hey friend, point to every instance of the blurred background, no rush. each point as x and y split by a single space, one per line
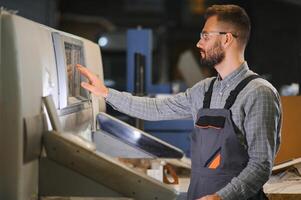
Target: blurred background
274 49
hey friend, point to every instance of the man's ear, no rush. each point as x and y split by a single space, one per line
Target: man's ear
228 39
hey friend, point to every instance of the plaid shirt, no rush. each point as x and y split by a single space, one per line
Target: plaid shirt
256 112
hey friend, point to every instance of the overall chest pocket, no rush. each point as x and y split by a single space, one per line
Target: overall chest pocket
216 122
209 139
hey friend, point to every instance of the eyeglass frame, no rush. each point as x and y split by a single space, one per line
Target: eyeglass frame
215 32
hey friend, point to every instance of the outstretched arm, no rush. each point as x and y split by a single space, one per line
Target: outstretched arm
174 107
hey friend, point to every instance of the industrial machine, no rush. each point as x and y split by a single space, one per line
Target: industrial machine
140 81
55 139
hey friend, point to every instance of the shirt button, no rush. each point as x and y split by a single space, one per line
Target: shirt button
221 93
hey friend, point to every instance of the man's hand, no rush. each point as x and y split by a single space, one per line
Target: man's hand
95 85
210 197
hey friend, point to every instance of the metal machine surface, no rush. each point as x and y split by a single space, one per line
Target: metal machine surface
36 62
137 138
103 169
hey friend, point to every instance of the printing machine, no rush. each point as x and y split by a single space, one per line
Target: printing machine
56 141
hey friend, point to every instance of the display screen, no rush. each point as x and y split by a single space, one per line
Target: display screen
74 55
69 51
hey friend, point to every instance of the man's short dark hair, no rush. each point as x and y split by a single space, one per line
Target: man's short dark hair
234 16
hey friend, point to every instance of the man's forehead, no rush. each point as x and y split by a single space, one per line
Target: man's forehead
213 24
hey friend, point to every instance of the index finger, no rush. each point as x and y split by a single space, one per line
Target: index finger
84 71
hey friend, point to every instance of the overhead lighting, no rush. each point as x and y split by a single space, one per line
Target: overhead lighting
103 41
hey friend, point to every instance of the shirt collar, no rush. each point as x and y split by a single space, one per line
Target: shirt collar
243 68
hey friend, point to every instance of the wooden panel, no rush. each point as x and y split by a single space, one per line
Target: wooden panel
284 196
291 129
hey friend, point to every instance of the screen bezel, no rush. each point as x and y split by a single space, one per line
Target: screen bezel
59 41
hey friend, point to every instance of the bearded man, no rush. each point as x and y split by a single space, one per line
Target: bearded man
237 115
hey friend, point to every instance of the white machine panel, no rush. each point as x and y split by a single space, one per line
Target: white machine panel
38 62
30 71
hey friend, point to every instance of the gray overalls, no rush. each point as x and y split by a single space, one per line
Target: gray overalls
217 155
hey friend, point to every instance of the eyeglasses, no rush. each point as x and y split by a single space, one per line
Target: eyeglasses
206 35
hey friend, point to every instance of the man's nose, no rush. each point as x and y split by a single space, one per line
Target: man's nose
199 44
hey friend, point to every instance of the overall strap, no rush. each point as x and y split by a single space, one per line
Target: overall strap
208 94
234 93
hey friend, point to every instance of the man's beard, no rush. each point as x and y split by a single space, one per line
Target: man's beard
213 56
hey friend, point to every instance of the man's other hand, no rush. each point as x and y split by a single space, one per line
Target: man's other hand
210 197
95 85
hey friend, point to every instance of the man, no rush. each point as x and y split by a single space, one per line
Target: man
237 115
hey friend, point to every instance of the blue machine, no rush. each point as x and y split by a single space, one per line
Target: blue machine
175 132
141 41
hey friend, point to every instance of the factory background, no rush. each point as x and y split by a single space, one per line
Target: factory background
274 49
56 156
